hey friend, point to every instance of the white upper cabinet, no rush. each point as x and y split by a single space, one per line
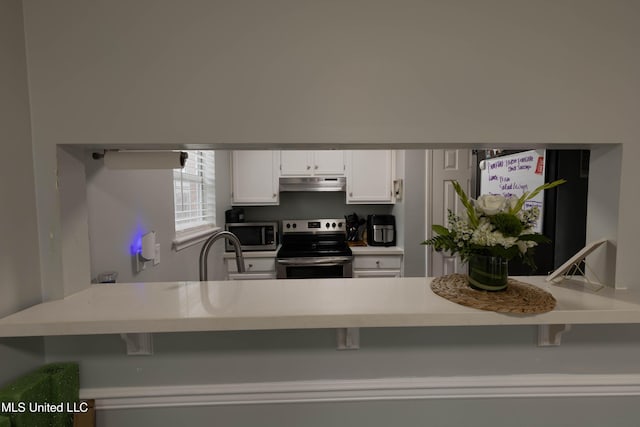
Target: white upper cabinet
255 177
255 173
370 175
328 162
312 163
296 163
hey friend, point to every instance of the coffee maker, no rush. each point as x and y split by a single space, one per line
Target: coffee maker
381 230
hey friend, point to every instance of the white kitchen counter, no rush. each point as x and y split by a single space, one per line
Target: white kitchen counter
357 250
295 304
377 250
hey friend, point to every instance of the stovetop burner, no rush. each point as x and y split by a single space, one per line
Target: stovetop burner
314 238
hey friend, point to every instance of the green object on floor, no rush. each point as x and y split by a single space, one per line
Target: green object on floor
65 388
33 387
29 400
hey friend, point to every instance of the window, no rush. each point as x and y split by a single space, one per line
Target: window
194 199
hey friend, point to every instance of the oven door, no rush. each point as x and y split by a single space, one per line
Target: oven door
314 267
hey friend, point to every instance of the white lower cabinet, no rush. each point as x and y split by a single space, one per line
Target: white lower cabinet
377 265
257 268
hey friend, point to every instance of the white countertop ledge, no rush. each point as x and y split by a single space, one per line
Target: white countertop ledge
295 304
377 250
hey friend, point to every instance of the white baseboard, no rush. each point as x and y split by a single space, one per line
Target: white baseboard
478 387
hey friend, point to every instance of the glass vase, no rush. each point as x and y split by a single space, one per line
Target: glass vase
488 273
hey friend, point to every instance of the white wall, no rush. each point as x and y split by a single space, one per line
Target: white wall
19 260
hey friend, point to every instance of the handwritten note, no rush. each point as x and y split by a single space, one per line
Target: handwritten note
515 174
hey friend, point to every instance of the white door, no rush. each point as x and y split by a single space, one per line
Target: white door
444 167
328 162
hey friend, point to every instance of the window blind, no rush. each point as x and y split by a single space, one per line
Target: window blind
194 191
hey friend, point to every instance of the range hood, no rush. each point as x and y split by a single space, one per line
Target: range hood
312 184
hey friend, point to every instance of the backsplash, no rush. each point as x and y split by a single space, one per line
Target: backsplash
308 205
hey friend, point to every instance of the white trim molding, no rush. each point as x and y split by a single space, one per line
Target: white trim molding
191 237
479 387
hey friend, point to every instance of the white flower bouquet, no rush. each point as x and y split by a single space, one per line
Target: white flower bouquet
494 226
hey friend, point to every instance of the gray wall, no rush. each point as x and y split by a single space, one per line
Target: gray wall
284 73
122 203
19 260
301 205
266 356
496 72
415 182
289 355
551 412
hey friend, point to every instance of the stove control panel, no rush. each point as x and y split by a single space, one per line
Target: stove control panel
325 225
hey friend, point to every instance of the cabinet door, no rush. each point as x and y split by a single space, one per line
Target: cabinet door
255 177
370 176
328 162
296 163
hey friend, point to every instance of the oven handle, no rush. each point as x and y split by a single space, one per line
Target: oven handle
338 260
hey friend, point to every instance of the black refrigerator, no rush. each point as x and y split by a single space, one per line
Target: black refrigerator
564 208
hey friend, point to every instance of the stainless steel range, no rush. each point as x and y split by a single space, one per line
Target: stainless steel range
314 248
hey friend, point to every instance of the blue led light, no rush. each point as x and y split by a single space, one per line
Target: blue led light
136 240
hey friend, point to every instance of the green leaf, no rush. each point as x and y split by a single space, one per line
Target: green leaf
471 212
443 231
535 192
507 224
506 253
519 204
528 196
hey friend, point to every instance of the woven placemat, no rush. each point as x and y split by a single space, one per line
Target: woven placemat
519 297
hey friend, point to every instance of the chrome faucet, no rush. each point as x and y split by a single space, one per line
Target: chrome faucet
204 252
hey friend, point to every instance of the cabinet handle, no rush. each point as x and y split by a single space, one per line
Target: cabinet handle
274 195
378 263
250 265
350 194
315 167
308 167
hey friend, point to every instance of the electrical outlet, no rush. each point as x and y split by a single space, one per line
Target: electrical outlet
156 258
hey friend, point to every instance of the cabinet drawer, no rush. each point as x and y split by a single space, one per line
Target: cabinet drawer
377 262
376 273
252 264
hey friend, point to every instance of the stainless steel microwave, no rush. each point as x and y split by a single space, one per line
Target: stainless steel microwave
254 236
